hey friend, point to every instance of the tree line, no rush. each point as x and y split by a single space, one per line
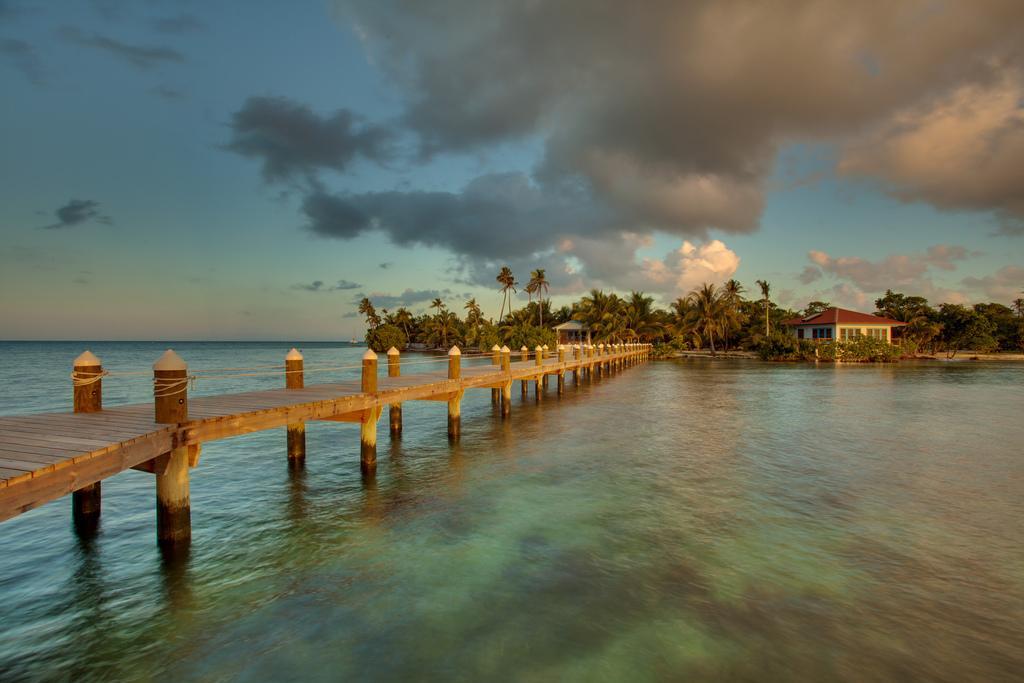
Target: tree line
714 317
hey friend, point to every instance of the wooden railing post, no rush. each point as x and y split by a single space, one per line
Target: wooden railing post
395 410
454 412
495 361
368 423
544 355
561 371
295 378
87 389
506 388
538 384
173 506
524 356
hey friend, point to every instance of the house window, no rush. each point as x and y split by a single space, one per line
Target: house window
800 333
878 333
849 333
821 333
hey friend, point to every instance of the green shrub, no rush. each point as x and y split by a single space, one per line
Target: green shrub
529 336
782 346
383 337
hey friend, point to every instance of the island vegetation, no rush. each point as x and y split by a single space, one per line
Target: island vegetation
718 318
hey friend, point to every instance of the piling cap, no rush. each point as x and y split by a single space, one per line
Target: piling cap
369 355
539 348
393 351
545 347
601 345
454 351
495 348
524 348
87 358
170 361
505 349
294 354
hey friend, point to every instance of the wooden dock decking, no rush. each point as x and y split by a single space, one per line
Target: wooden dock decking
46 456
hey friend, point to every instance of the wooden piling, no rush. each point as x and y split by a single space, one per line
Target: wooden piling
295 378
561 373
173 507
524 356
395 410
506 388
87 388
495 361
454 402
368 423
538 383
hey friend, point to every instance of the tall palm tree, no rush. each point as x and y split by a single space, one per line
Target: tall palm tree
707 312
1018 305
443 326
474 316
367 309
508 282
765 290
404 318
732 295
539 284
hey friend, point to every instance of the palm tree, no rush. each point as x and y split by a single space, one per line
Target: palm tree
404 318
641 318
1018 305
765 290
367 309
474 316
508 282
539 284
707 312
438 304
732 295
602 314
442 326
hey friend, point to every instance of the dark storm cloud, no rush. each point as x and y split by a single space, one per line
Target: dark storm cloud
168 93
410 297
140 56
496 214
673 113
319 286
182 23
22 57
293 142
78 211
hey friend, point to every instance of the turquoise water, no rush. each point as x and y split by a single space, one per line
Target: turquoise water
680 520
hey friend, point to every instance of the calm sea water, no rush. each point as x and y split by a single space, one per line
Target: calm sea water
682 520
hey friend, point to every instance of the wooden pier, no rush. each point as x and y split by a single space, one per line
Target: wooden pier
47 456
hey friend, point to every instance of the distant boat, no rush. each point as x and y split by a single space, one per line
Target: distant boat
354 342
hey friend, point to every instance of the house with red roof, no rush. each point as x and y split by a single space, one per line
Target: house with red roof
842 325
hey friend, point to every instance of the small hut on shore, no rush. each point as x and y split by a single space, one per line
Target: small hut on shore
573 332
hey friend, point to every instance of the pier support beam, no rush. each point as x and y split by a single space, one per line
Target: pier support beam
173 511
295 378
506 389
368 423
524 356
495 361
561 373
87 387
395 410
454 403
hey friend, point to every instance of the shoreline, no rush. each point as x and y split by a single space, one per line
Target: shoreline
961 356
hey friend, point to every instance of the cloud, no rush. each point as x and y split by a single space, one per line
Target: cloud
78 211
860 281
140 56
965 151
408 298
168 93
293 142
23 57
182 23
1005 285
318 286
673 116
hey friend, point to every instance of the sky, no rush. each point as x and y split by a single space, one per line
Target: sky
251 170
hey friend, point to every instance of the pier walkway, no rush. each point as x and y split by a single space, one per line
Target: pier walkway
47 456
